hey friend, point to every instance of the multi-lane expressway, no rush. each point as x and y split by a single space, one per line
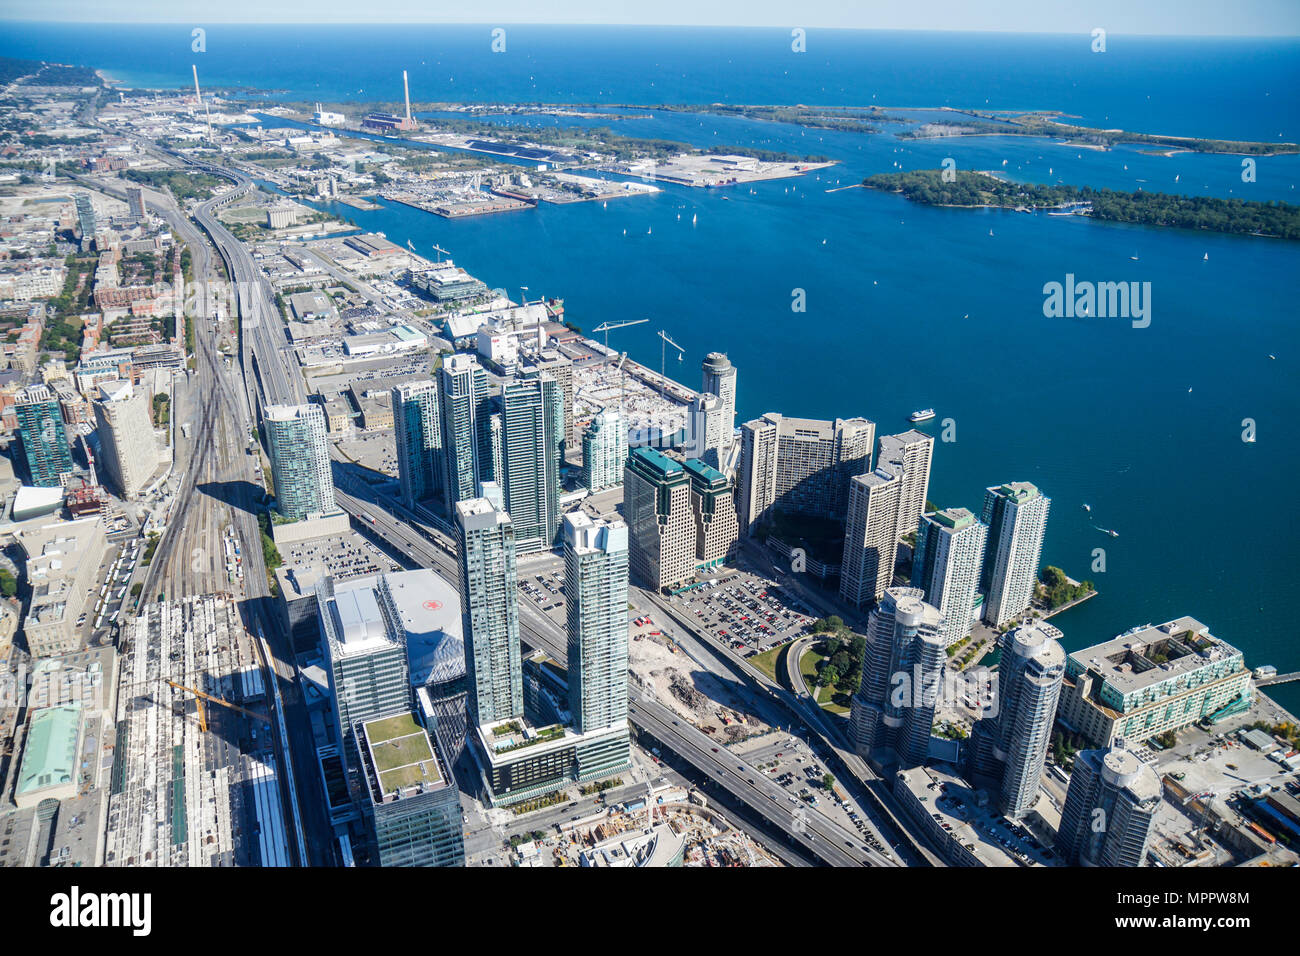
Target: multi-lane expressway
261 328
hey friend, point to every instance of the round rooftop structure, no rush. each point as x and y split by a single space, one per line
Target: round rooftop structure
1120 768
717 363
911 611
1028 641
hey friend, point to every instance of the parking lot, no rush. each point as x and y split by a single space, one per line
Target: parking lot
746 611
541 584
1014 839
342 556
791 764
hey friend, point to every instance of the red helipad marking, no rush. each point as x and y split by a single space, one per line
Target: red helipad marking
433 605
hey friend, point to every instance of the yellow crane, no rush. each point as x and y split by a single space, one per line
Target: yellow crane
200 697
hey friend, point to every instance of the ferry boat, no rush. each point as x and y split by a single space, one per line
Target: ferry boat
924 415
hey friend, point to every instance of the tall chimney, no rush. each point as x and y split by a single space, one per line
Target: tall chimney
197 95
406 87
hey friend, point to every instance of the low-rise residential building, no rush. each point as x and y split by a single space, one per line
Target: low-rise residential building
1151 680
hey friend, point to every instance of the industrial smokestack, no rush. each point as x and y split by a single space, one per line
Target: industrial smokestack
197 95
406 88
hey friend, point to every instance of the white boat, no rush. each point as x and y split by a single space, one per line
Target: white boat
924 415
1205 258
694 217
1086 506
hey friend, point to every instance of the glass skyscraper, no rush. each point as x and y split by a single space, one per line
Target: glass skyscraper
466 438
300 460
532 415
46 451
595 592
946 566
604 450
417 425
85 219
902 670
1013 745
1109 808
368 670
490 615
413 806
1016 515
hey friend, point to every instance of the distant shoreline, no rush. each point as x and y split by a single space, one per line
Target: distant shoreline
1171 144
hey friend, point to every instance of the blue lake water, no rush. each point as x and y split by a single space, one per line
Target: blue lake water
907 306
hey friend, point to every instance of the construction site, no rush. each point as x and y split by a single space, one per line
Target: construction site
667 828
654 407
195 781
662 669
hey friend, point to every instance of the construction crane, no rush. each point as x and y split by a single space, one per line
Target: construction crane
663 352
200 697
622 387
1206 799
607 326
440 250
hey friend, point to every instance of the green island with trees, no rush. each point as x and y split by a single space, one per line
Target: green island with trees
1277 220
1055 589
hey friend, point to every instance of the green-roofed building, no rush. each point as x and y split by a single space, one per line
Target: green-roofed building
946 566
413 811
714 508
661 526
49 767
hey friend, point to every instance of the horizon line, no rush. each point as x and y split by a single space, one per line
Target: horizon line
670 26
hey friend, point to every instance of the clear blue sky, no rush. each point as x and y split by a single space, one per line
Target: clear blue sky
1172 17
